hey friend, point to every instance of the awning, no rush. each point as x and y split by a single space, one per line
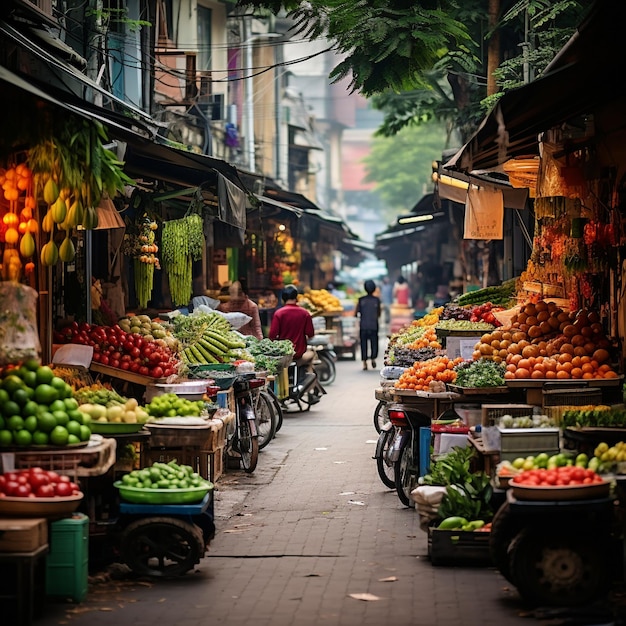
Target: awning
108 216
581 77
279 205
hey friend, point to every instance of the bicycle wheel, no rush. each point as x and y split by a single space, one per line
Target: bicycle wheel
386 469
402 474
278 410
326 370
265 419
248 446
380 415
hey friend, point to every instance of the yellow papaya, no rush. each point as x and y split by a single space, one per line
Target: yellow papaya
27 245
47 224
49 254
67 252
91 218
50 191
59 211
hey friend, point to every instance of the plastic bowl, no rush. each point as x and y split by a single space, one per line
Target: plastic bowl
139 495
560 492
39 507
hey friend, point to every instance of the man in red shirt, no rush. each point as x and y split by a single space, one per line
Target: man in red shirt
294 323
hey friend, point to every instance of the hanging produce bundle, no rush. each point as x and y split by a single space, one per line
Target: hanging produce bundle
139 243
183 243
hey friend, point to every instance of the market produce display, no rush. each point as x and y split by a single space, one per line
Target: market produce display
405 357
557 477
482 373
472 313
37 409
114 347
171 405
543 341
128 412
98 393
431 375
206 338
460 523
528 421
320 301
149 329
463 325
501 295
36 482
599 415
267 353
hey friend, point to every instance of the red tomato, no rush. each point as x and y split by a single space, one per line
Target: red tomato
156 372
104 359
63 489
124 365
44 491
53 476
38 479
22 490
144 371
11 487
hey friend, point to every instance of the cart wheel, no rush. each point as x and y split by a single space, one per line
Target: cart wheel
557 568
505 526
162 546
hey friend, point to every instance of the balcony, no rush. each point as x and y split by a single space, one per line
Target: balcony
177 81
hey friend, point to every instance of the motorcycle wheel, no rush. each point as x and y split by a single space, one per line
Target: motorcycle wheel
248 447
162 547
386 469
380 415
326 370
560 568
265 420
403 477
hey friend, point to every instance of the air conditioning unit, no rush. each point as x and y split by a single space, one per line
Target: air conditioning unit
213 106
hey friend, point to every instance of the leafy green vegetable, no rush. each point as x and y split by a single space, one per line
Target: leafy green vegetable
481 373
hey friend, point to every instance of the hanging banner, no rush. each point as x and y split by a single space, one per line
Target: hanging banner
484 214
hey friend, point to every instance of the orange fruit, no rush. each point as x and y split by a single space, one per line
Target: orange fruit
521 372
576 372
562 374
565 357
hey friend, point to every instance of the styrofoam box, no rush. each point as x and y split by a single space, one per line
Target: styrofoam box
516 442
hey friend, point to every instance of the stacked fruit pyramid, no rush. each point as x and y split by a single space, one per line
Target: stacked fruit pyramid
545 342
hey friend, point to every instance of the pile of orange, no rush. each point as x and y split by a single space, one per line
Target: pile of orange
422 373
543 341
428 339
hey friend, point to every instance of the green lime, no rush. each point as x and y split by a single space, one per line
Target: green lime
47 422
44 375
73 428
76 415
61 386
86 418
72 439
30 379
21 371
15 422
71 404
4 396
40 438
12 383
30 392
30 408
10 408
23 437
20 396
59 436
57 405
31 364
6 438
61 417
31 423
45 394
85 433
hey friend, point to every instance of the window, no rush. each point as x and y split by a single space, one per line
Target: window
204 39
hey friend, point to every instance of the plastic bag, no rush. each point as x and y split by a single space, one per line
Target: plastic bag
237 320
19 338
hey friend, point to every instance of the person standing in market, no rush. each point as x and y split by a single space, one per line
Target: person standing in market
239 302
368 310
401 291
296 324
386 298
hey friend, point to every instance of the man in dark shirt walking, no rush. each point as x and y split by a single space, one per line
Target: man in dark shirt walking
368 309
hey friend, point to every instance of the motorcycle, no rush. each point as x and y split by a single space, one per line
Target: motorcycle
325 359
242 444
304 390
404 452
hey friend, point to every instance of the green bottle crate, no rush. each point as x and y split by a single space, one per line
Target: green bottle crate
68 559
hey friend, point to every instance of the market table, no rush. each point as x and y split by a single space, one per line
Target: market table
125 377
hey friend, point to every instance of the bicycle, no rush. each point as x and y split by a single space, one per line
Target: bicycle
242 444
266 419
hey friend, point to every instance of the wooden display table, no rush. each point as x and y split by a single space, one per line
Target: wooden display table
431 404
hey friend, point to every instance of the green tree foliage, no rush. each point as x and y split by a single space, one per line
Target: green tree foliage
401 166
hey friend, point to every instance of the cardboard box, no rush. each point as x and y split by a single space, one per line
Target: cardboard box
23 535
461 346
